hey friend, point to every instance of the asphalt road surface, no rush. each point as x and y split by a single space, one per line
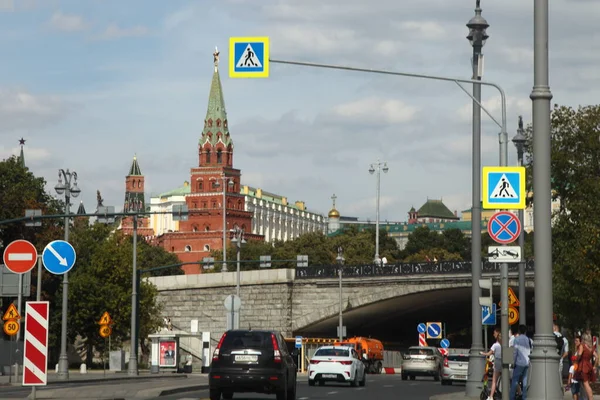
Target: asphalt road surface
380 387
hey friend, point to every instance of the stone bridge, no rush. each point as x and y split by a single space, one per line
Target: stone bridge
381 301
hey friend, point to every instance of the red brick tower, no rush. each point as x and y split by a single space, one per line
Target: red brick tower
203 231
135 202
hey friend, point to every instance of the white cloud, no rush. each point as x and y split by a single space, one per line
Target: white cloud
67 22
113 31
22 110
430 30
376 110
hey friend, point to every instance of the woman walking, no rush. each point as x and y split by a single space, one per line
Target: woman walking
586 374
496 351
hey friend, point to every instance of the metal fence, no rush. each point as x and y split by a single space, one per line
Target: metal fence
399 269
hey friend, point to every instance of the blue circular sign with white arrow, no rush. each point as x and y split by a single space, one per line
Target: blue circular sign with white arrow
444 343
58 257
421 328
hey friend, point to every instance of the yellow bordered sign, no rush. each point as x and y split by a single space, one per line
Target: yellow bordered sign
248 57
504 188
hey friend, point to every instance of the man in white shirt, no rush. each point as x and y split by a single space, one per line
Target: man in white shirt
564 353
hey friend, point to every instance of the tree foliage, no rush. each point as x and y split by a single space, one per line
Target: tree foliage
575 172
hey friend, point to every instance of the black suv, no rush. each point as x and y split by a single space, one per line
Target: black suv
252 361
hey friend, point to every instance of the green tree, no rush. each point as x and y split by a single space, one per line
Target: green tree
575 161
455 241
429 255
422 238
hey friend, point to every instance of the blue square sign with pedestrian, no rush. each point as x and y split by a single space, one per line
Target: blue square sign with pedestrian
249 57
504 188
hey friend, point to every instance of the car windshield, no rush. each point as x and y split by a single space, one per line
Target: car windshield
420 352
247 339
332 352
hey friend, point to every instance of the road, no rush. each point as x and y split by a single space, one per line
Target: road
380 387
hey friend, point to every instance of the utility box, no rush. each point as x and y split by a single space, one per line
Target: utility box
116 360
206 352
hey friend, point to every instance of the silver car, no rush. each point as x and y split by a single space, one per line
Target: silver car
422 361
455 368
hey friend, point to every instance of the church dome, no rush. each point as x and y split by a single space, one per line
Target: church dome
333 213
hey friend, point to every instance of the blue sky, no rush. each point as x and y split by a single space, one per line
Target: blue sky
90 83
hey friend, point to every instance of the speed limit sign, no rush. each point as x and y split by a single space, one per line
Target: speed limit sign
513 315
11 327
105 331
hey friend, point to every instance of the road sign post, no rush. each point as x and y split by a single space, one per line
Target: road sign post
35 355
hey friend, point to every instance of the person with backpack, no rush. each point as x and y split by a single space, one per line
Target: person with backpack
562 348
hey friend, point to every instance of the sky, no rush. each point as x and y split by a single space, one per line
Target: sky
91 83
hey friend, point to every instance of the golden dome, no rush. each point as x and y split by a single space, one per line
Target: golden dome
333 213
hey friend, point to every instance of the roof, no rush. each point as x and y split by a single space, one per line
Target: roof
216 111
81 209
270 197
435 209
135 168
180 191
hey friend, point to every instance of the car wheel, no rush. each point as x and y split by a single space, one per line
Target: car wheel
412 377
321 383
311 382
291 395
354 381
363 381
228 395
282 394
404 377
379 367
215 394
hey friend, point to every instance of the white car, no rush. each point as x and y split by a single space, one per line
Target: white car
336 364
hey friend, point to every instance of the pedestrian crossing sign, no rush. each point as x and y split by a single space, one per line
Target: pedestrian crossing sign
248 57
504 188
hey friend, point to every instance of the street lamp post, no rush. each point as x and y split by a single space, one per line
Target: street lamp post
238 240
378 167
340 260
477 37
519 141
544 358
224 185
69 188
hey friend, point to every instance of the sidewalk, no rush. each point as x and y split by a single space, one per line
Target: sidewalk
112 385
461 395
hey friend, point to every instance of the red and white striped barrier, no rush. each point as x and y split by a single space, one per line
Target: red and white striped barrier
443 351
391 371
35 355
422 341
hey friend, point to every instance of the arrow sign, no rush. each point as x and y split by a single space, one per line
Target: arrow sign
434 330
58 257
421 328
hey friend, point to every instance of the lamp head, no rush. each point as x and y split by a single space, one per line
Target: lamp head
385 168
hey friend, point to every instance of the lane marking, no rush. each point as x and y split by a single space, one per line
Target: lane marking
302 398
334 392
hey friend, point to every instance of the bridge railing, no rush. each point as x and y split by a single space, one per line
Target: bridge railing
399 269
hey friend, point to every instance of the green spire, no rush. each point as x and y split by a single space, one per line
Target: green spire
22 155
216 115
135 168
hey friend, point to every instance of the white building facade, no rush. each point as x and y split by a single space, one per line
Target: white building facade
273 216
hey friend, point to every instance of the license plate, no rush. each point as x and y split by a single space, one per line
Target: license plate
461 376
329 376
245 358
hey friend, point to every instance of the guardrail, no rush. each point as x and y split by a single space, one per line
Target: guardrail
399 269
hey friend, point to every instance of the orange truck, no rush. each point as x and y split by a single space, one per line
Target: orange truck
371 351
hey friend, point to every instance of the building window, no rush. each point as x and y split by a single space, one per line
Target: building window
208 156
172 247
195 228
215 184
206 247
219 157
203 204
200 185
139 184
194 205
206 228
188 248
214 204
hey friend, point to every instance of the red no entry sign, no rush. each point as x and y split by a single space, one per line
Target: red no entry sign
504 227
20 256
